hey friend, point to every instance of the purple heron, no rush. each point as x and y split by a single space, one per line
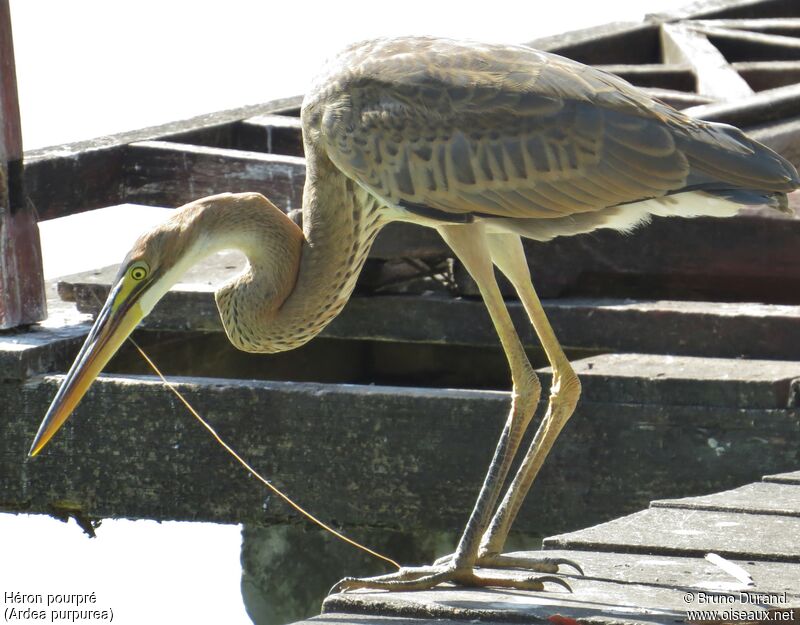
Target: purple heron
485 143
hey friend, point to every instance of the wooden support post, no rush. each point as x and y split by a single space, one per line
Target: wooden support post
22 297
681 44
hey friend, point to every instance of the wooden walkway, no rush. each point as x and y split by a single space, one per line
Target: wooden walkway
685 335
648 567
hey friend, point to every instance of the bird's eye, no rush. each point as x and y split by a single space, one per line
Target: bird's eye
139 271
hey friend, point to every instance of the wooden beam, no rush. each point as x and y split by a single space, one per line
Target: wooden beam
770 537
784 138
728 9
773 105
755 498
784 478
762 75
63 182
788 26
75 177
162 173
715 329
741 45
658 75
682 44
276 134
679 99
22 297
617 42
353 453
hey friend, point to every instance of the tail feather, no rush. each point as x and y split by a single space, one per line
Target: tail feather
726 162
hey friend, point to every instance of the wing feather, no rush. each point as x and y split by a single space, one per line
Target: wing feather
508 131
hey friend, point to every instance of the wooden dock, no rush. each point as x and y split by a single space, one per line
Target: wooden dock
685 335
644 568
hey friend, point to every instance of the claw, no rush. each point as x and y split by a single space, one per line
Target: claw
544 564
566 562
554 580
426 577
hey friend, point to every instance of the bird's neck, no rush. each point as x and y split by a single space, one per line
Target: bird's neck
340 222
297 283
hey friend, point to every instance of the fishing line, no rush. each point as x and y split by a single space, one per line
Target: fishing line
252 471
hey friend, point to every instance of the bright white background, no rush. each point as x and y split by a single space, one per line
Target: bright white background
92 67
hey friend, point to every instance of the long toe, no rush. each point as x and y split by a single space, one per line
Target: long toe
521 583
427 577
407 578
540 564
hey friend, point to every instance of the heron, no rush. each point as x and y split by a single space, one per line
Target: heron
486 143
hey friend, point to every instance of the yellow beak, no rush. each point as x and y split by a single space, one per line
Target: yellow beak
119 316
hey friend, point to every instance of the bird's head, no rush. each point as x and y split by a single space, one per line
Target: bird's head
146 274
158 259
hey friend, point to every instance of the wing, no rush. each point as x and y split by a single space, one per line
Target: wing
507 131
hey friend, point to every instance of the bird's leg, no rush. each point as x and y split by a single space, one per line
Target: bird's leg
469 242
508 255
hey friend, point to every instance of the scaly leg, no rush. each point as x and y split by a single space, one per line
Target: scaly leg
508 255
470 244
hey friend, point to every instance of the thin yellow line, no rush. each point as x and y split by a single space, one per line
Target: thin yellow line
263 480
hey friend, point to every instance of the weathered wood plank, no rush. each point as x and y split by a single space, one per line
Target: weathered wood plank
594 599
40 350
756 498
75 177
617 589
679 99
131 450
682 44
698 573
48 346
730 9
763 107
666 531
784 478
783 137
276 134
613 43
271 133
761 75
291 416
741 45
789 26
712 329
688 381
22 298
596 602
170 174
649 263
609 378
675 77
63 183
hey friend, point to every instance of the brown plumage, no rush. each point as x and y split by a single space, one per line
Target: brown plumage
485 143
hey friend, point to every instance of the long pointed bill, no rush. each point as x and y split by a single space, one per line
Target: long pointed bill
117 319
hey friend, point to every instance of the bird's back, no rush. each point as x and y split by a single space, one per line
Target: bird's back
463 130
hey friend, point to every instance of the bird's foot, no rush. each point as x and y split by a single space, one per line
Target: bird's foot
538 564
426 577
